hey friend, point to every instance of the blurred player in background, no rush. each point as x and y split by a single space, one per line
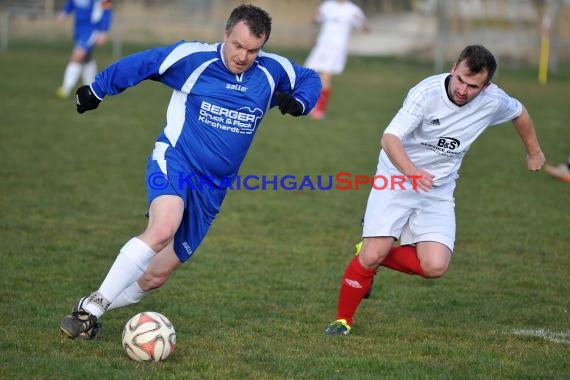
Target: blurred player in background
221 93
560 171
91 26
337 18
427 139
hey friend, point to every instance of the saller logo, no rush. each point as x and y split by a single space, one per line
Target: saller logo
448 143
187 248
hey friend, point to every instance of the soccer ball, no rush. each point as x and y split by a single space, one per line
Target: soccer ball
149 337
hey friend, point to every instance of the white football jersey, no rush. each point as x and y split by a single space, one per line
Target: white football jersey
437 134
337 19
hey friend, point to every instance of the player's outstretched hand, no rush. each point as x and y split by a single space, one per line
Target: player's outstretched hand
288 104
85 99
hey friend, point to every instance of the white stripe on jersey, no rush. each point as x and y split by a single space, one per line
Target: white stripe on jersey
285 63
175 116
187 86
182 51
271 84
176 112
97 12
158 155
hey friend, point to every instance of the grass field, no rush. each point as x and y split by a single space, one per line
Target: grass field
253 302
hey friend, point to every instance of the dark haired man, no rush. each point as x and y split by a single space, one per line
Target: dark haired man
221 92
426 141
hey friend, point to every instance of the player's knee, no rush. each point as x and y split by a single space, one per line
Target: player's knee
159 236
371 259
373 253
434 268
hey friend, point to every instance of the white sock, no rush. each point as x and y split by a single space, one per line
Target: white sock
71 76
131 295
89 72
130 264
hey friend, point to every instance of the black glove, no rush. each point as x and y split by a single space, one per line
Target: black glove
288 104
85 99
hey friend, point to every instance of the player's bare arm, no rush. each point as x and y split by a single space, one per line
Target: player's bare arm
393 147
101 38
525 128
61 17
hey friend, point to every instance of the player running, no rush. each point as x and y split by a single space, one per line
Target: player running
221 93
337 19
91 27
429 136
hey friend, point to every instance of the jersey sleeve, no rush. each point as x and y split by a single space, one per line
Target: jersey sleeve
68 8
508 108
307 88
104 24
359 19
320 15
302 83
410 115
132 70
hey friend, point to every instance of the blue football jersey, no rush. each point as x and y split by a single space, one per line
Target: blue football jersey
90 15
213 114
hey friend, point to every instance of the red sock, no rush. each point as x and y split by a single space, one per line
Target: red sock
404 259
355 283
323 99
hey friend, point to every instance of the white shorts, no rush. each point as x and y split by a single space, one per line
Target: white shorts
412 216
327 59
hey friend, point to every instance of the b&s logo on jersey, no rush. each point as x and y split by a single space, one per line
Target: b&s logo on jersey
448 143
445 146
244 120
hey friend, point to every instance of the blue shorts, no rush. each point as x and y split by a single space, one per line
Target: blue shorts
85 38
201 203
